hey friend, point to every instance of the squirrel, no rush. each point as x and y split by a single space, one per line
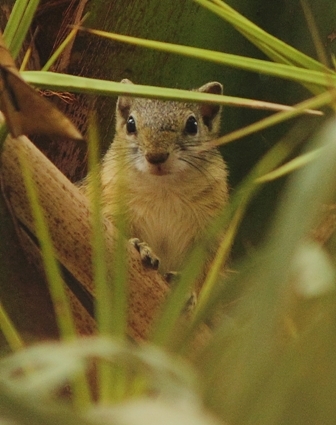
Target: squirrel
172 185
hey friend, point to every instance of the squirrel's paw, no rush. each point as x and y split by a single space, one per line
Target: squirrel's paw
148 258
171 277
191 303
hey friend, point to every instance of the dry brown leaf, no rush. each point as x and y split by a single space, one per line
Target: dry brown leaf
26 112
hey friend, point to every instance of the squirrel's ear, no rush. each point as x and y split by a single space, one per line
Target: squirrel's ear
124 102
210 110
126 81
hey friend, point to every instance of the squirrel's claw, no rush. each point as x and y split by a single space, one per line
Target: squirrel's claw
148 258
191 303
171 277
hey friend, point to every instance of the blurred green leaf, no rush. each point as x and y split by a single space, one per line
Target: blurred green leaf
7 327
59 296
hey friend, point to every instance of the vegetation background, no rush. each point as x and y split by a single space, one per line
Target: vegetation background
282 381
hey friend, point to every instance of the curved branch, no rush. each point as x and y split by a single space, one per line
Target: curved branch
67 213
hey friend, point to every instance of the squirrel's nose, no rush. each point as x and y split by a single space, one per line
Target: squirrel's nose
157 158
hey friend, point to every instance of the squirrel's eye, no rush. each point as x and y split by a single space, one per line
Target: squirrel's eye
191 126
130 125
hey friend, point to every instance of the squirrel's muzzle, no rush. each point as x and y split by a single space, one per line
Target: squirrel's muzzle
156 158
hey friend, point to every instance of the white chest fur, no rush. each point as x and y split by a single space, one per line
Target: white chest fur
169 214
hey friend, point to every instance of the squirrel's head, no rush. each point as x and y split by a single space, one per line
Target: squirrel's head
165 137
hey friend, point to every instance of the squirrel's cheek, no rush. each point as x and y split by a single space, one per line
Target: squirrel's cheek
141 164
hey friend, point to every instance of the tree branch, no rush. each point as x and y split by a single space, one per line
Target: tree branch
67 213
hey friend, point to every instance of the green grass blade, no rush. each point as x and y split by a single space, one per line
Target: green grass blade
70 37
294 73
14 22
53 273
119 382
273 47
63 82
101 284
221 257
3 135
59 50
289 167
98 242
165 327
260 38
230 218
316 102
18 24
226 244
111 300
8 329
26 58
277 57
56 284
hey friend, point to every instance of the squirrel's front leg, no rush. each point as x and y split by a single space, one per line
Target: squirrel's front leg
148 257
